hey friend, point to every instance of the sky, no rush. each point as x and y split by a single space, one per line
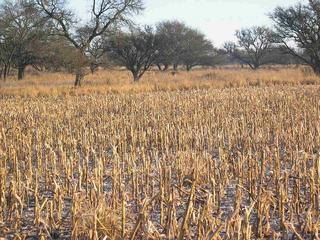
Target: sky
217 19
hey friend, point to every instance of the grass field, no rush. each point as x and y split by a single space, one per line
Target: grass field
211 154
116 81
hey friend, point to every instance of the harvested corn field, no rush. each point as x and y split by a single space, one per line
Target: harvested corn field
199 164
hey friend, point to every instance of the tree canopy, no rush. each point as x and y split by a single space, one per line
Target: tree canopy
298 30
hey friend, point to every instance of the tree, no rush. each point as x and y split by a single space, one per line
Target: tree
104 15
22 30
7 39
7 49
300 24
280 55
60 55
252 46
96 55
171 39
180 44
136 50
197 50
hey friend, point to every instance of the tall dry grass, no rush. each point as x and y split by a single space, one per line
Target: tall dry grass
120 81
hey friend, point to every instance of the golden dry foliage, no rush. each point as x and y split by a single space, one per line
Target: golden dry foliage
235 163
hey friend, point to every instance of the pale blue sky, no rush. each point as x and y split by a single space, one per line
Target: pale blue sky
218 19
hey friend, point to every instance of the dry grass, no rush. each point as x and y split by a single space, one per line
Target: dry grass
116 81
204 163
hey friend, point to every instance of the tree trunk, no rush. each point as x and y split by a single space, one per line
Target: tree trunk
254 66
175 67
164 68
136 78
159 67
93 67
8 70
79 77
316 69
21 70
5 72
188 68
5 75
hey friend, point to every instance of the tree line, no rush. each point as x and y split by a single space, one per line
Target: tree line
47 35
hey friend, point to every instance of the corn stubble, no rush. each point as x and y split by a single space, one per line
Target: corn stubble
198 164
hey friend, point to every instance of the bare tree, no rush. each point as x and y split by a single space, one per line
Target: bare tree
104 14
252 47
97 55
300 24
136 50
